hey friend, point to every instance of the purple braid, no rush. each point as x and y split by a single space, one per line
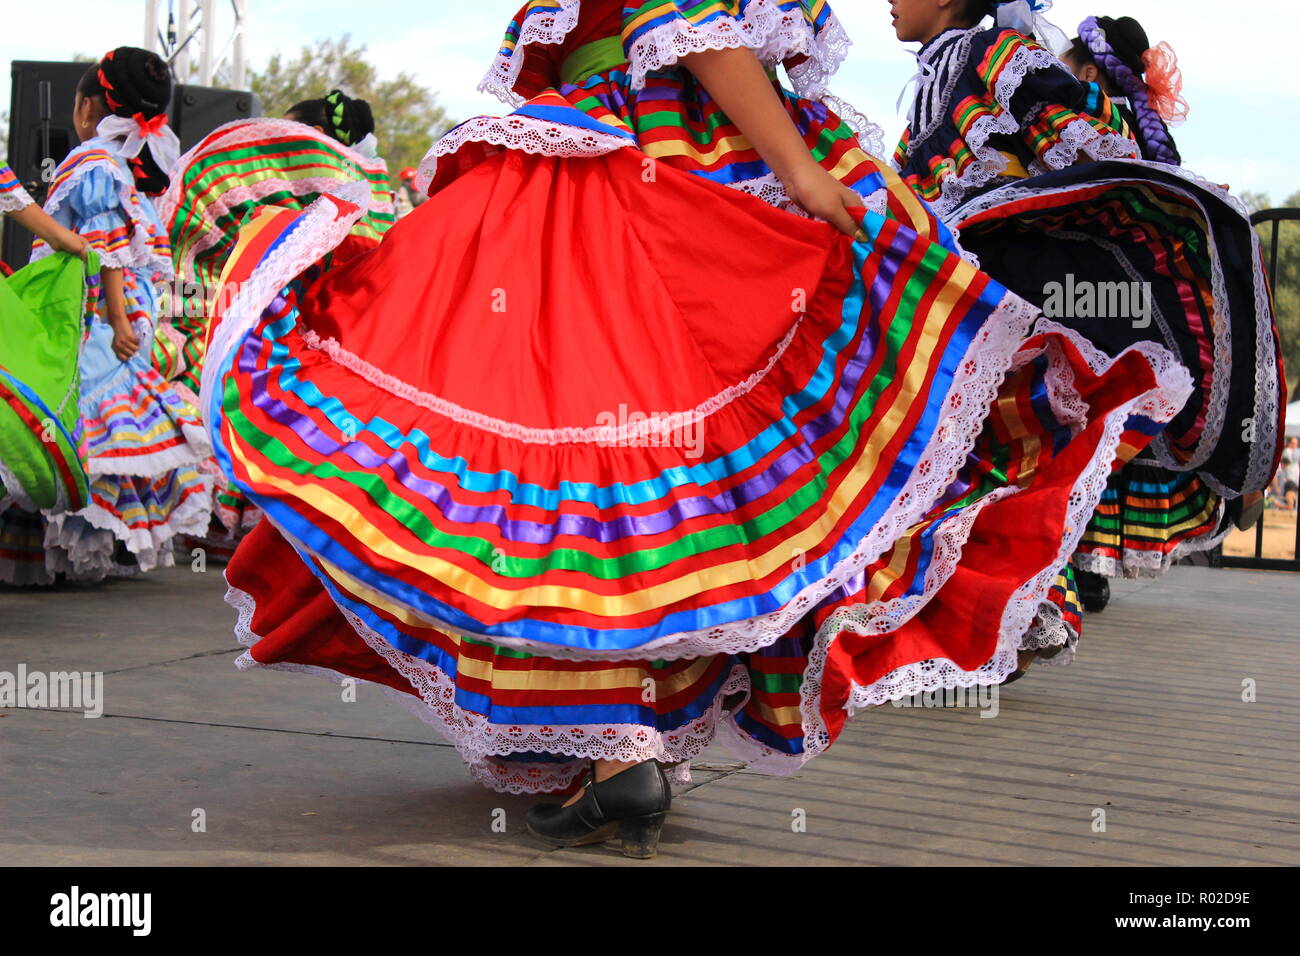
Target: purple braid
1154 133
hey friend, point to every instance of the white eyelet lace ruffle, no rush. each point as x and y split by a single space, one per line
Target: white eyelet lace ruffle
539 28
988 164
870 136
1030 601
774 34
1048 631
524 133
1268 396
70 550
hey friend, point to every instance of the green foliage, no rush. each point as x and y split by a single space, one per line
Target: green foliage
407 116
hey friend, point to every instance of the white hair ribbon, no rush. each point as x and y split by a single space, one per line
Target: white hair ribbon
1029 19
136 132
368 146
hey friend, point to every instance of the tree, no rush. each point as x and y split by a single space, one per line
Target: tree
407 116
1254 201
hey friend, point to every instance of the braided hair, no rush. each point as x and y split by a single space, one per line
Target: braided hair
131 81
1120 50
345 119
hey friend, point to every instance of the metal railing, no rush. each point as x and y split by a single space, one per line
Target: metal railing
1275 218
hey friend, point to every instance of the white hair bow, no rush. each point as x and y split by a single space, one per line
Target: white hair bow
136 132
1030 20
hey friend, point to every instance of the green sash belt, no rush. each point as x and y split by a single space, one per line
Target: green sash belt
598 56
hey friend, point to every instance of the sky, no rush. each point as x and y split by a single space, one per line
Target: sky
1242 128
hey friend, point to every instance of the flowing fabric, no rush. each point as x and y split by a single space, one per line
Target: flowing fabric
219 185
1150 516
598 455
142 440
43 308
1121 250
229 174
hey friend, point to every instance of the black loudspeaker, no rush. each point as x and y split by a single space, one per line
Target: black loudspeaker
45 91
198 110
41 91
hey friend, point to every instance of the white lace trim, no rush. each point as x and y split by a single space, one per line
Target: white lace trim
139 252
1048 631
1173 385
989 163
770 190
322 228
478 740
239 133
829 49
870 136
941 67
1268 389
12 200
1081 137
1136 563
539 28
541 137
196 449
775 35
71 550
622 435
525 133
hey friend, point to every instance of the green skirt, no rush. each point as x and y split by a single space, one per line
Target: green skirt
43 308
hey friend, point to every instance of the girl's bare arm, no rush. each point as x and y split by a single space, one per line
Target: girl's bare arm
736 80
125 341
38 222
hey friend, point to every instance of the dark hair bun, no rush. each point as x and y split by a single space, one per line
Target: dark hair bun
350 120
135 81
1127 39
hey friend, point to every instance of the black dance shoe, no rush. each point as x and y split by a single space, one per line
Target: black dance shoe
1094 591
631 804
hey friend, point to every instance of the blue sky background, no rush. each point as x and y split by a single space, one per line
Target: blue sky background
1235 57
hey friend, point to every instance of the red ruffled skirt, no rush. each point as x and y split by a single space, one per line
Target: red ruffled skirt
584 466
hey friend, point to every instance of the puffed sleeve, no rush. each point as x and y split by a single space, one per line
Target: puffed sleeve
1050 106
12 195
802 35
528 60
97 213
